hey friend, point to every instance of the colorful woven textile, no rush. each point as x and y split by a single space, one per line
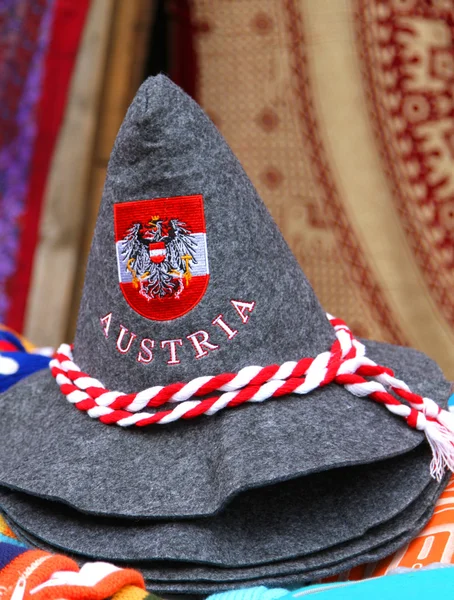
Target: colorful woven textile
19 358
38 46
343 116
36 574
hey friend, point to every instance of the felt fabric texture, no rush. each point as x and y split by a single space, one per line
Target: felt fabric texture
375 540
97 468
204 585
432 545
173 574
290 580
169 577
168 147
293 519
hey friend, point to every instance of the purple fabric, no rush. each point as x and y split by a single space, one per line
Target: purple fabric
25 30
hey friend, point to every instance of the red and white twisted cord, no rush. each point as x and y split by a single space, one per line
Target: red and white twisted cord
345 364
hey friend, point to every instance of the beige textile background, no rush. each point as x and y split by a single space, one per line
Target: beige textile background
108 72
341 112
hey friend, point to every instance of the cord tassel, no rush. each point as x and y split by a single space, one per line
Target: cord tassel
441 441
446 419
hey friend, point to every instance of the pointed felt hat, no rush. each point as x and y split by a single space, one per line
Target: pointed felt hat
202 344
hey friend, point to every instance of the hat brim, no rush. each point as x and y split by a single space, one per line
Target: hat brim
35 523
204 585
187 469
289 580
293 519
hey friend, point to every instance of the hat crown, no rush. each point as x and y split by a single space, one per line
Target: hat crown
224 291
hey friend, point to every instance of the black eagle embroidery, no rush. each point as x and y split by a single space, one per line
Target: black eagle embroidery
160 256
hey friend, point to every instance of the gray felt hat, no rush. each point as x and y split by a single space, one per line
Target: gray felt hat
184 576
195 308
196 579
296 518
177 577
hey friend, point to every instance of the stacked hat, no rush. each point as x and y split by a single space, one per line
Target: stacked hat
212 426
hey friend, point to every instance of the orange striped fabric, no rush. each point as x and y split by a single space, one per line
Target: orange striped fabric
43 576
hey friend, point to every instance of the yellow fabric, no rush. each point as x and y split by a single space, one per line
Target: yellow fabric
131 592
353 153
25 342
5 530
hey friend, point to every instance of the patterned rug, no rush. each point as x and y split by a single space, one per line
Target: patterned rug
342 114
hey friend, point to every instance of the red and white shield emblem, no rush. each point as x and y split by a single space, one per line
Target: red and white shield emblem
157 252
162 255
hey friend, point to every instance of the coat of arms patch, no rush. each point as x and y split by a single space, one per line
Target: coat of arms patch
162 255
